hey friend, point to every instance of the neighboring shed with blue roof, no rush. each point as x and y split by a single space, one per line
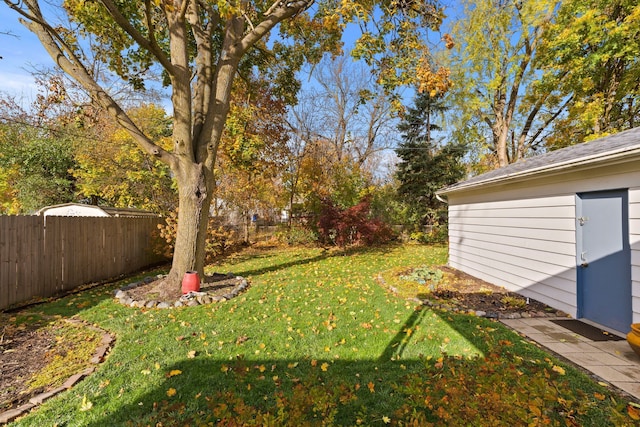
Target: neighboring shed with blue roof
562 228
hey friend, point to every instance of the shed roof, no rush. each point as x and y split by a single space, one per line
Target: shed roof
109 211
611 148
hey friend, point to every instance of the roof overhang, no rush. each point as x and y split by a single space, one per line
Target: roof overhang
613 157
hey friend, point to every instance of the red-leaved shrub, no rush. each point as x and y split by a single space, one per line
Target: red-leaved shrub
352 226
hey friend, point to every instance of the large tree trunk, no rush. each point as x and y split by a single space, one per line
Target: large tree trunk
195 187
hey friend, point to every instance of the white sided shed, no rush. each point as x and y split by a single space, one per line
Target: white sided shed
78 209
562 228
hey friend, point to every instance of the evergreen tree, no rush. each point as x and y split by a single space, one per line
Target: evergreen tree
426 164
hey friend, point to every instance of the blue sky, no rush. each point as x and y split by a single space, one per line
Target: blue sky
20 51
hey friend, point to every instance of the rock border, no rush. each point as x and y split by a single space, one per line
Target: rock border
190 299
491 314
97 358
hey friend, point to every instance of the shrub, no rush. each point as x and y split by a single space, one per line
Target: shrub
220 239
424 276
296 236
352 226
437 234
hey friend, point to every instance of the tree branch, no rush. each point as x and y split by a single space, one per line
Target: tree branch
204 85
549 120
278 12
145 43
71 64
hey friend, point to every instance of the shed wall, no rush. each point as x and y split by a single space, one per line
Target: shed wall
522 235
527 246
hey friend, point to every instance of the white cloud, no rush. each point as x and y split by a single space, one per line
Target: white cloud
17 84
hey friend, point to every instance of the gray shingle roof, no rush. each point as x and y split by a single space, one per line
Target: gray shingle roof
617 145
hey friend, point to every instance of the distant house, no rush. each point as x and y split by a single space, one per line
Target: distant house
562 228
78 209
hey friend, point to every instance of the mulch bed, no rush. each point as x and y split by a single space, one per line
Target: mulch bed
463 292
23 351
215 285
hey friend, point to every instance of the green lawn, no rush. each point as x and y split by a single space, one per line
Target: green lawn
315 341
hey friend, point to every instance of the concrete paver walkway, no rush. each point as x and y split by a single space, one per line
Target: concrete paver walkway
612 361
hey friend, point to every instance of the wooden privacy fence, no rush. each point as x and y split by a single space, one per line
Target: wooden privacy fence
42 256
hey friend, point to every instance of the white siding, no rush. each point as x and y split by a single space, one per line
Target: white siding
522 234
524 245
634 240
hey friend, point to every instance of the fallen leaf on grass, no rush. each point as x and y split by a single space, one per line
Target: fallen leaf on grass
191 354
171 392
173 373
558 369
372 387
439 363
86 404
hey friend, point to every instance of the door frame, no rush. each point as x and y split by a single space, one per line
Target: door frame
624 192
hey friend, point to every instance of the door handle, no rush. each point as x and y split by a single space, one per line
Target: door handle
583 258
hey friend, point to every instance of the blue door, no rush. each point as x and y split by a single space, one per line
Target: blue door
604 259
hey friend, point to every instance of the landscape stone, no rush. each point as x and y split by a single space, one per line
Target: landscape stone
12 414
511 316
191 299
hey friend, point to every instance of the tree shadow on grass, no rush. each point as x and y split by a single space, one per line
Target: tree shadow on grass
284 391
209 390
325 254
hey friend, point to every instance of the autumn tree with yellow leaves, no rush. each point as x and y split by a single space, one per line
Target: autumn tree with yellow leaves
200 47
